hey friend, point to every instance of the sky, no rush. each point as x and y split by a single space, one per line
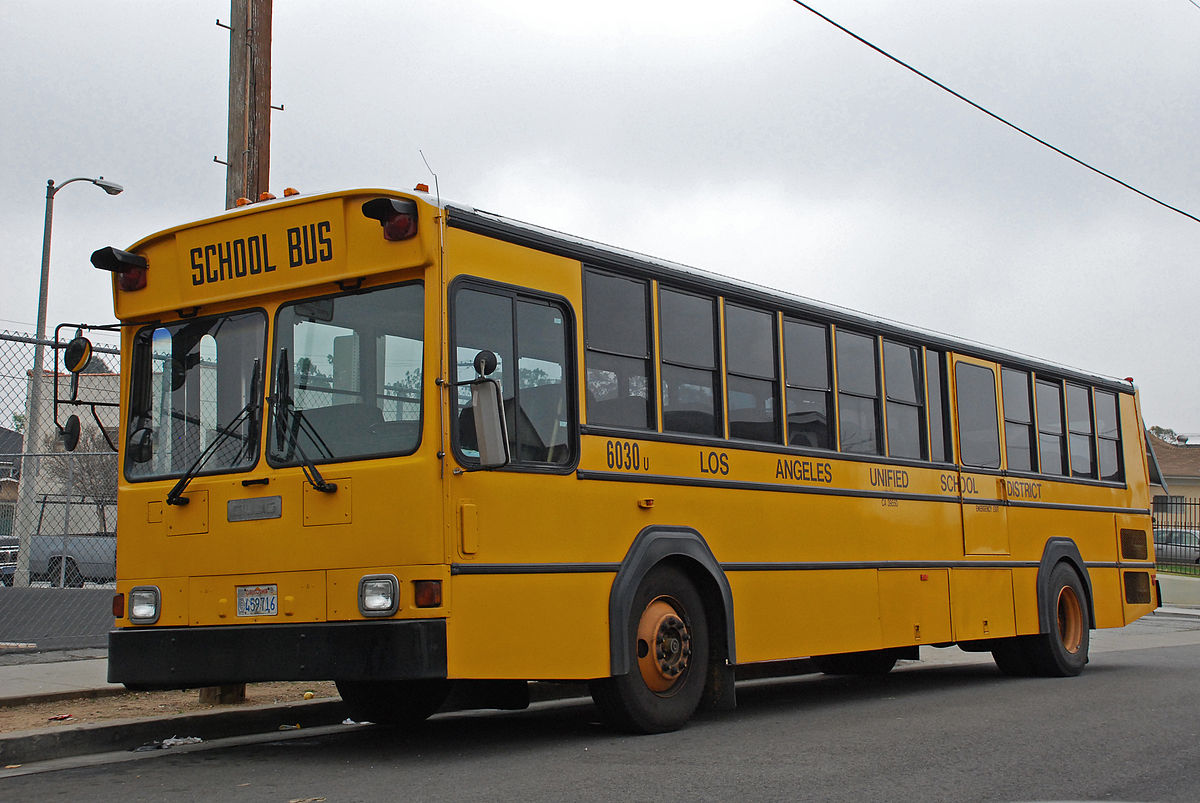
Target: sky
745 137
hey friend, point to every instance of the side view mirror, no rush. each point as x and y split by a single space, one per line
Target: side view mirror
77 354
485 362
487 407
140 447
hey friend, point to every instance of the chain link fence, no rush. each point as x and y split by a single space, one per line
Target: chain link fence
58 514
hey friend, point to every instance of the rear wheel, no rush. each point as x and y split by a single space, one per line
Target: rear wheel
1012 657
393 702
1063 651
668 633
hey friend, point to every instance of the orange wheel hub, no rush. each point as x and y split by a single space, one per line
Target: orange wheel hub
664 644
1070 620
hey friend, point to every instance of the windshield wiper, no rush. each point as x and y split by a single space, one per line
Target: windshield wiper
288 433
249 411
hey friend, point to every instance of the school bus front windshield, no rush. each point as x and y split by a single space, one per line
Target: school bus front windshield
191 381
348 382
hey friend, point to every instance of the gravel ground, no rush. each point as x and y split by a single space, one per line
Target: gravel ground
128 705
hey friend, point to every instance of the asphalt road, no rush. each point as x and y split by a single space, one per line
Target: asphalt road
1127 729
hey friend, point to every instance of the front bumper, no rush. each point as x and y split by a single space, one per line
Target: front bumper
189 657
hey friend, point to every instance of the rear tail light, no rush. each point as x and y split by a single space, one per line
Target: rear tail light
427 593
130 268
118 606
398 216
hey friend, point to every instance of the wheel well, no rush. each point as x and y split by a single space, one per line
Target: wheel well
714 606
686 549
1060 550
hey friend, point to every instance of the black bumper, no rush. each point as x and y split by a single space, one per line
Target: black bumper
188 657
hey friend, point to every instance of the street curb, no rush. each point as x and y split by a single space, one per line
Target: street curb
22 747
59 696
45 744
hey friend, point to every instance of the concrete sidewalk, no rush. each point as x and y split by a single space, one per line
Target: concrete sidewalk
65 679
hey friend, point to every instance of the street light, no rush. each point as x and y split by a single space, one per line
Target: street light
33 414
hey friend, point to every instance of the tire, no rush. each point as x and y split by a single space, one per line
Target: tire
1063 652
668 637
71 576
393 702
1012 657
872 662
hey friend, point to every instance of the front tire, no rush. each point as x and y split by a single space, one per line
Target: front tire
393 702
668 634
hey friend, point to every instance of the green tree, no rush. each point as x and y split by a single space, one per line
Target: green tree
1165 434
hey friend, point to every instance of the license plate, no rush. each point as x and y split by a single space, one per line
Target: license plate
258 600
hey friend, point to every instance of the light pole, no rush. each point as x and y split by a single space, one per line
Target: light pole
33 413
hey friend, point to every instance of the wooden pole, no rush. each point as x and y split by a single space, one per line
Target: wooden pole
249 154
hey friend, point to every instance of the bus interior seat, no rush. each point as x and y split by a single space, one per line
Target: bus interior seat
700 422
626 411
345 428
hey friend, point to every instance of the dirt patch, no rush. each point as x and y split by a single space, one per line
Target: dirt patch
127 705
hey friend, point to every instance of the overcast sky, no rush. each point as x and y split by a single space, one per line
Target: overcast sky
746 137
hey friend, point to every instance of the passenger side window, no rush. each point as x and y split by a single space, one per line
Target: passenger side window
689 364
1019 443
1052 453
616 324
809 390
935 372
858 393
1108 436
753 374
905 400
1079 431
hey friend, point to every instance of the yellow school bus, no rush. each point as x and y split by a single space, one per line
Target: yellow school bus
416 447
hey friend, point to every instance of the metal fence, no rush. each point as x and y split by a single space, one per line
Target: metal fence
58 515
1177 535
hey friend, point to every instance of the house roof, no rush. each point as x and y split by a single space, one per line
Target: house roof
10 441
1176 460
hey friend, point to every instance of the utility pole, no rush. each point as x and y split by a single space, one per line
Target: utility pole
248 163
249 154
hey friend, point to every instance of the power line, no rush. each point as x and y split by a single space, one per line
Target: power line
993 115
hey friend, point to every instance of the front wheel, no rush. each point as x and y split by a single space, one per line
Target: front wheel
668 633
393 702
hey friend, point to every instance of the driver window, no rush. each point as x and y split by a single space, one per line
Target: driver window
530 337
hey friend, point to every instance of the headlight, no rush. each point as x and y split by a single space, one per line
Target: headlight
144 605
378 595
